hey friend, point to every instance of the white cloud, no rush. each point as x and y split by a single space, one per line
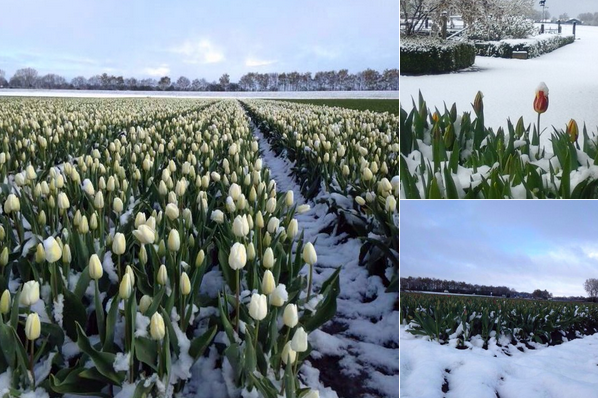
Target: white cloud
253 62
325 52
158 71
199 52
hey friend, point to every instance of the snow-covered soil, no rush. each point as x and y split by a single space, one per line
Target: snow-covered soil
358 351
212 94
509 85
356 354
566 370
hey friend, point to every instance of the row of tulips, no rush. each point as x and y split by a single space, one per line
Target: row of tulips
450 155
346 152
103 255
495 320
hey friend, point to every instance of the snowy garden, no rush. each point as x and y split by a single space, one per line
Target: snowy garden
197 248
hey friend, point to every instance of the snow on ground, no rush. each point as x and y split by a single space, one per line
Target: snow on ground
566 370
509 86
178 94
367 348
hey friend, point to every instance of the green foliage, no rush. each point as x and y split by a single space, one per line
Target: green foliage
505 48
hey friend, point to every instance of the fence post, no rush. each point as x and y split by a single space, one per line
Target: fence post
541 28
559 26
574 25
444 19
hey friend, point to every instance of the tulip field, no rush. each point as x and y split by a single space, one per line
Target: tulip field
196 247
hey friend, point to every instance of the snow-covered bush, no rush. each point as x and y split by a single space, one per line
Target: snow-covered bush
507 27
534 47
429 55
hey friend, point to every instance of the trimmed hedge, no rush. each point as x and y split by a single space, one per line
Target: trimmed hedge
535 47
431 56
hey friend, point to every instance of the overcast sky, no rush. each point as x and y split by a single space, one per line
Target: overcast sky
521 244
572 7
153 38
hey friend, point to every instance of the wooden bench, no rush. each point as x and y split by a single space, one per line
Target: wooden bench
519 54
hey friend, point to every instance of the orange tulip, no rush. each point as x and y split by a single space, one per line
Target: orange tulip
541 100
572 130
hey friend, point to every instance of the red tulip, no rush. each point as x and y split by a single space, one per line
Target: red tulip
541 100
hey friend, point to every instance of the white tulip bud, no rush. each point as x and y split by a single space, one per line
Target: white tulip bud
32 326
391 204
268 283
299 341
302 209
29 293
237 257
5 302
290 316
293 228
271 205
174 240
162 275
119 244
144 234
145 303
217 216
309 254
157 328
288 354
250 251
258 306
126 288
185 284
172 211
95 267
268 260
53 251
63 201
290 198
273 224
117 205
279 296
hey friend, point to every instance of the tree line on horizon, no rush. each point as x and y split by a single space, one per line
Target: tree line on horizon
425 284
341 80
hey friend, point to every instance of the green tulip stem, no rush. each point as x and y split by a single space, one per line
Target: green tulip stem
182 313
118 265
31 353
257 332
238 302
311 270
160 370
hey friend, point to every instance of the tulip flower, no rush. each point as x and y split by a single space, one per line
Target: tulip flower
12 204
117 205
299 341
185 284
162 278
29 293
52 250
572 130
268 259
5 302
95 267
279 296
157 327
144 234
541 102
217 216
237 257
145 303
174 240
288 354
289 316
268 283
312 394
126 288
119 244
172 211
32 327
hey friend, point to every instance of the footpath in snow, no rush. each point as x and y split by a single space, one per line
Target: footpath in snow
509 86
566 370
358 350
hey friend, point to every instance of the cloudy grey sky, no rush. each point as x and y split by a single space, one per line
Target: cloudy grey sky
525 245
153 38
572 7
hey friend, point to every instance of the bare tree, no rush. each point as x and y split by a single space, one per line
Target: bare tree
24 78
224 81
164 83
182 83
79 82
591 286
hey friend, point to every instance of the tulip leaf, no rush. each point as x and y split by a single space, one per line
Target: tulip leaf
143 389
228 327
146 351
102 360
100 316
289 381
264 385
7 344
76 313
69 381
199 344
110 325
174 341
82 283
326 308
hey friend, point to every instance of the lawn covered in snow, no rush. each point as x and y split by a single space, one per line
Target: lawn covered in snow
509 85
566 370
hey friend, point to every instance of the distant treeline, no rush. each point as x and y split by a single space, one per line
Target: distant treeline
341 80
440 285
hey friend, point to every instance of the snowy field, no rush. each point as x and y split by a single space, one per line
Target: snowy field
566 370
212 94
509 85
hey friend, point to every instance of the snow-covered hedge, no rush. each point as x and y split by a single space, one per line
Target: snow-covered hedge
535 47
429 56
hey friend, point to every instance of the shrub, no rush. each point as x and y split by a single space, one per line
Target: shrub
508 27
535 47
429 56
